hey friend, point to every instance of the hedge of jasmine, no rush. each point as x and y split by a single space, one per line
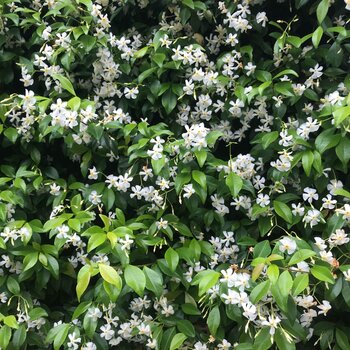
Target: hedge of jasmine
174 174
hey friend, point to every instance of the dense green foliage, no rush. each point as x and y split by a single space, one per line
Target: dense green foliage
174 174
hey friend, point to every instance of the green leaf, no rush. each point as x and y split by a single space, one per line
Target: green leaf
346 292
83 280
30 260
273 273
135 279
280 299
188 3
342 192
322 10
110 275
190 309
142 52
322 273
154 281
200 178
74 224
234 183
201 156
259 291
343 151
5 336
317 36
326 140
11 321
13 285
205 279
158 164
61 337
96 240
262 249
66 84
300 283
169 101
268 138
301 255
19 337
263 340
212 137
283 211
11 134
186 327
146 73
213 320
159 58
167 337
341 114
342 339
286 72
177 341
285 283
172 258
283 341
257 271
307 161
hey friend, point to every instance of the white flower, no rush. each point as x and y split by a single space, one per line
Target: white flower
93 174
338 237
55 189
94 313
297 209
313 217
324 307
345 211
162 224
263 200
347 275
95 198
326 256
131 93
310 194
189 191
320 243
347 3
287 244
73 341
107 332
272 322
328 202
89 346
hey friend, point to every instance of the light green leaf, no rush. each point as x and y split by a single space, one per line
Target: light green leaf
259 291
177 341
154 281
300 283
172 258
213 320
283 211
322 10
135 279
200 178
322 273
234 183
83 280
285 283
66 84
188 3
110 275
301 255
273 273
317 36
201 156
